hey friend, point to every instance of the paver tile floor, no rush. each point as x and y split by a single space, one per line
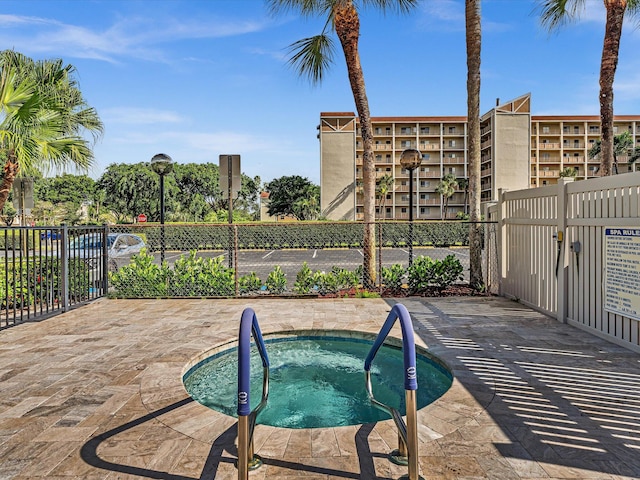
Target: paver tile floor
96 393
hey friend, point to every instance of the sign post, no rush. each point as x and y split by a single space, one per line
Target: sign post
230 184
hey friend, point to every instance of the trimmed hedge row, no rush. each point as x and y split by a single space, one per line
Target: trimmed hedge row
299 235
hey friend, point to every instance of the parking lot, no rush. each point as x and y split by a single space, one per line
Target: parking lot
290 261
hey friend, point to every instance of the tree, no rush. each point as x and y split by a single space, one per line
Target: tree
312 57
569 172
384 185
558 12
286 195
473 29
447 187
42 117
463 184
622 145
132 189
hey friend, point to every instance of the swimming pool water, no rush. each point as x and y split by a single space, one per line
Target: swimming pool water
316 382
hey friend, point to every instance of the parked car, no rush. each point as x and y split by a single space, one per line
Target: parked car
50 235
120 248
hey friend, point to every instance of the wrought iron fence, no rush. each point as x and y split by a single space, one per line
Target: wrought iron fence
47 270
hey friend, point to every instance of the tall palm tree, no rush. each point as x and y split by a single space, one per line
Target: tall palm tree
622 145
558 12
383 186
42 117
312 56
474 42
447 187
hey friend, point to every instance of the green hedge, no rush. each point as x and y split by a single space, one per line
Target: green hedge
300 235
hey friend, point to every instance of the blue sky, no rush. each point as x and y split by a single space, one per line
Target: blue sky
199 78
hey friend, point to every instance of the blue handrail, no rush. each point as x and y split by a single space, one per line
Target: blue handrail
400 312
407 452
247 418
248 324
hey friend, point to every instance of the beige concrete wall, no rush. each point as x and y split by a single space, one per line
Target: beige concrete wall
337 176
511 152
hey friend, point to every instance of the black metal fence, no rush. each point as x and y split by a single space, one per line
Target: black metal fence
44 271
49 270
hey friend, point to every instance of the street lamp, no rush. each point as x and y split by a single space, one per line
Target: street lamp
161 164
410 159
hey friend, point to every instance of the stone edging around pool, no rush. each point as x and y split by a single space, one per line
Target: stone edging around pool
161 387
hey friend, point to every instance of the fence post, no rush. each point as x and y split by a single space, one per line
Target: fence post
64 267
563 261
501 238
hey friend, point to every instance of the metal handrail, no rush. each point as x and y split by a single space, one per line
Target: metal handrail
247 460
407 452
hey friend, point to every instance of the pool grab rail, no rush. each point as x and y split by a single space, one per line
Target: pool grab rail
407 453
247 460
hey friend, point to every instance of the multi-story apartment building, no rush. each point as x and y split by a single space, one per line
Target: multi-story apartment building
518 151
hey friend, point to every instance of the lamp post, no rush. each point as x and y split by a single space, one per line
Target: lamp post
410 159
161 164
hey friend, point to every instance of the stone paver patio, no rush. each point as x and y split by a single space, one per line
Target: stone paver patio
96 393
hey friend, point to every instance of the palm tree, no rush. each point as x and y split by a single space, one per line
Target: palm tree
558 12
383 186
569 172
447 187
312 56
42 116
622 145
474 43
463 184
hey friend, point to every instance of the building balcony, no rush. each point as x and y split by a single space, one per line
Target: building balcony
549 173
569 146
547 146
429 146
382 146
453 161
573 159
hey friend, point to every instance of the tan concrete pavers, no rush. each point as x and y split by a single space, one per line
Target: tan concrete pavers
96 393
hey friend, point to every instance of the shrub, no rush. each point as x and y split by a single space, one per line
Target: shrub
198 276
426 272
393 277
141 278
276 281
304 280
249 283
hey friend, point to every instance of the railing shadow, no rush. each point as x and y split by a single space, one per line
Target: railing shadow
224 443
567 410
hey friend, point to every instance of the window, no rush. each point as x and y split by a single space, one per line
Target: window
545 129
565 129
378 131
425 183
452 143
424 130
424 196
403 209
426 156
452 170
452 129
424 210
576 129
378 158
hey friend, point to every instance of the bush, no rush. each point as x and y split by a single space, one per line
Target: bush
141 278
198 276
276 281
248 284
305 280
426 273
393 277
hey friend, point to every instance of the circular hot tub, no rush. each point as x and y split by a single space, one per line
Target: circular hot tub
317 380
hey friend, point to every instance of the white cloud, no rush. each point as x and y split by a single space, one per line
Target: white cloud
140 116
133 37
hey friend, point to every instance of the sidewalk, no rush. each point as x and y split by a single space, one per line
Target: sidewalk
96 393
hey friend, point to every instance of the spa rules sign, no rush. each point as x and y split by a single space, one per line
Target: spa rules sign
622 271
